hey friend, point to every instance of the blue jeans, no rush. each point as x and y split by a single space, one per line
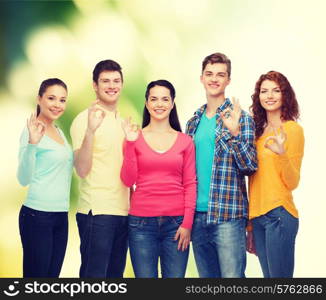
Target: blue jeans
274 238
151 238
44 237
103 245
219 249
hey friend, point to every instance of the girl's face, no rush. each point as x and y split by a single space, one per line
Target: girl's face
53 102
270 96
159 102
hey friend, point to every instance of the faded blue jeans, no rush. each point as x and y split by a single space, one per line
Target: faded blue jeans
219 249
274 238
151 238
103 245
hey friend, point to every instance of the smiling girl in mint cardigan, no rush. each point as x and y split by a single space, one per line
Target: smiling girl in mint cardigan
45 164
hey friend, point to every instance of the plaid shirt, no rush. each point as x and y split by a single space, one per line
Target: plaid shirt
234 157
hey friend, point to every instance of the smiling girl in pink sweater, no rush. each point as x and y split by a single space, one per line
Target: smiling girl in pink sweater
160 161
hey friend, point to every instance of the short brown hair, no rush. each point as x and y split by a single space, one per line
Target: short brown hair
106 65
219 58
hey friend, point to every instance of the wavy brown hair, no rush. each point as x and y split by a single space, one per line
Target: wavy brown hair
289 108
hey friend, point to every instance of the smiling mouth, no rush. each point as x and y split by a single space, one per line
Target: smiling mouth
159 111
111 93
270 102
56 112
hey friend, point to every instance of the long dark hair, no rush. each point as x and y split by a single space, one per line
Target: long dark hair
173 117
44 85
289 108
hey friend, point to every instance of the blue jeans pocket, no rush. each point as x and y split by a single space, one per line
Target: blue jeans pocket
177 220
26 211
135 222
33 216
275 213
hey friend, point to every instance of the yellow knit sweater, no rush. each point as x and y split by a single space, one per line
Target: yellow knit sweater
277 175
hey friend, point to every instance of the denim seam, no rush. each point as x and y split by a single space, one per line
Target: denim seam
88 244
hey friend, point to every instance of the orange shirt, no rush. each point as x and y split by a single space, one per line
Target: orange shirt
277 175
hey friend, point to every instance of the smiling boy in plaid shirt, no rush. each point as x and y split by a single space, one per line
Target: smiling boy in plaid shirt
225 153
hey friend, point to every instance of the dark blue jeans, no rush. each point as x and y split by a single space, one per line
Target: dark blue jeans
103 245
44 238
151 238
274 238
219 249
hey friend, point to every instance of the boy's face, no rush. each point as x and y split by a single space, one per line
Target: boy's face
108 86
215 79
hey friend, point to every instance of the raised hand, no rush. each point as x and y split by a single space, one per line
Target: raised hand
131 130
36 129
95 116
231 117
278 140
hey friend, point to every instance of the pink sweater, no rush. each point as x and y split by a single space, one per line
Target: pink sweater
165 182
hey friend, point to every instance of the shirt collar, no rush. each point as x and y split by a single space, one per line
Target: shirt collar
227 103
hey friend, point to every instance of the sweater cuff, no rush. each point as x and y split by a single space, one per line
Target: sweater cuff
130 143
284 156
188 220
31 148
283 159
227 136
129 147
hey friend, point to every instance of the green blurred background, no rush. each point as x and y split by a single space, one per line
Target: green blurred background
152 40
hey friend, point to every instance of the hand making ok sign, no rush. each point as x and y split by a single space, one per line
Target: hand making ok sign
36 129
131 130
231 117
278 140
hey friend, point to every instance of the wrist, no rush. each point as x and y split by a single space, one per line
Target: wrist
235 132
90 132
130 142
281 152
130 139
33 142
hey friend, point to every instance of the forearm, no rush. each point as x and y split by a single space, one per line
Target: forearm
26 166
129 171
242 145
245 156
84 155
190 197
190 186
189 216
290 170
290 161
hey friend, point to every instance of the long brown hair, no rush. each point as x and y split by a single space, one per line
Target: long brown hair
289 109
